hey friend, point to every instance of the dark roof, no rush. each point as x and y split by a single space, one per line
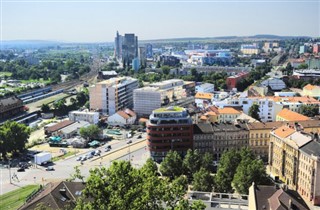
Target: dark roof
59 125
9 101
57 195
271 125
270 197
262 194
312 148
203 128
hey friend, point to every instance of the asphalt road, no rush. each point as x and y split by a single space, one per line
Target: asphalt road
64 168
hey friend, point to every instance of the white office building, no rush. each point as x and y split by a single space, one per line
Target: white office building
90 117
112 95
205 88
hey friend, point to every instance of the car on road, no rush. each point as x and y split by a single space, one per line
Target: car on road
107 149
139 137
108 146
129 141
83 158
97 152
50 168
89 156
79 158
21 170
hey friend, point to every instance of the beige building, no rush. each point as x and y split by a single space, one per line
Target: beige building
259 134
311 91
294 158
112 95
288 115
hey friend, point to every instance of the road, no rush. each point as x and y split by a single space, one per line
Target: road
64 168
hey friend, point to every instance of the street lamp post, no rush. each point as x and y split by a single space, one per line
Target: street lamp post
10 172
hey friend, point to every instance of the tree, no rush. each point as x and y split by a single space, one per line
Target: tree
227 168
303 66
123 187
309 110
254 111
202 181
191 162
249 170
45 108
171 165
207 162
165 70
13 137
90 132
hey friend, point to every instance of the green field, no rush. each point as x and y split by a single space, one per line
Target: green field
5 73
15 199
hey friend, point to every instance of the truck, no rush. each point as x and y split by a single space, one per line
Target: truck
42 158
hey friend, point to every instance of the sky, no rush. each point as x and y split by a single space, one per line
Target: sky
98 20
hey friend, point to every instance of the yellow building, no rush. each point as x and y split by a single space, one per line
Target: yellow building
227 114
288 115
294 158
259 134
311 91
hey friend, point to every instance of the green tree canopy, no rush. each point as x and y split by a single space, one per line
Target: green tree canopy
13 137
90 132
123 187
45 108
309 110
254 111
202 181
191 162
227 168
171 165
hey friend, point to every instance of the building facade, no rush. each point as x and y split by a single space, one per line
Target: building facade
294 158
205 88
217 138
158 94
112 95
232 81
90 117
10 107
169 129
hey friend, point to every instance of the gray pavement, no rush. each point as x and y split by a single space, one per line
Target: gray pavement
64 168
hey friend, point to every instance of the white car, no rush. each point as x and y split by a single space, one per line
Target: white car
79 158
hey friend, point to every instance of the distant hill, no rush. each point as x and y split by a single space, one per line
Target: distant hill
28 43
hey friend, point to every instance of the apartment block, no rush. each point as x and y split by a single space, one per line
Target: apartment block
112 95
232 81
169 129
259 134
294 158
159 94
217 138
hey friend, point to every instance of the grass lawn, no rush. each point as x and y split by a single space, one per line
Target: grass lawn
68 154
15 199
5 73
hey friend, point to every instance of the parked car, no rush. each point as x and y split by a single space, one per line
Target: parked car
139 137
97 152
107 149
83 158
20 170
89 156
50 168
79 158
129 141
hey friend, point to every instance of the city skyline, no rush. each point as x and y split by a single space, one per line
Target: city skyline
81 21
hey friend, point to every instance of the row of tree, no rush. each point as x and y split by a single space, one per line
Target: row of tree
123 187
236 171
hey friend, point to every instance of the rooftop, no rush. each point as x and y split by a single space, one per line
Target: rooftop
228 110
310 87
291 115
312 148
271 125
204 95
284 131
59 125
170 109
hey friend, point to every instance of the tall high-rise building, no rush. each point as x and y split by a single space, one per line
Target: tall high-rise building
149 51
118 46
129 49
142 56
